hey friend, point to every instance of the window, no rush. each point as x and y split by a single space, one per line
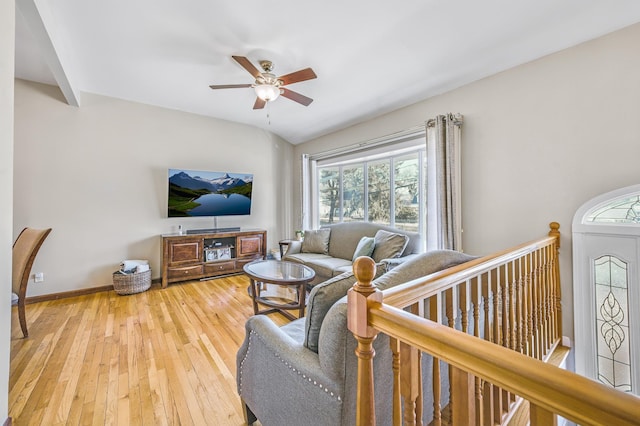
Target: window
384 188
625 209
408 180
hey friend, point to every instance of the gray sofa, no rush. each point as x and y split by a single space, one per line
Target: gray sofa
335 254
305 372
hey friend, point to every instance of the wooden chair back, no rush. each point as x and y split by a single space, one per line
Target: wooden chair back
25 250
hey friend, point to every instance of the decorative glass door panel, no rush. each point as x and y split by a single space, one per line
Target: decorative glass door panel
612 322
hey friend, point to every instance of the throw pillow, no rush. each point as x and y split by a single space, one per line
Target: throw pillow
316 241
321 298
388 245
365 247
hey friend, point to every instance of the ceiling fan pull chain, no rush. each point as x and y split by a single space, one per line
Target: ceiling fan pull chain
268 114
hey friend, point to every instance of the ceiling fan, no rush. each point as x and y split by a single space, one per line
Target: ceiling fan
267 86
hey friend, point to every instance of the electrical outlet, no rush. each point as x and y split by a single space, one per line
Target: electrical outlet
38 277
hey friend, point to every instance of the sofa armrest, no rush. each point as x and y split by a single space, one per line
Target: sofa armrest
268 360
294 247
391 263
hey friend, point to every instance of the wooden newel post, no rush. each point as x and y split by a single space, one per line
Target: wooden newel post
554 231
360 297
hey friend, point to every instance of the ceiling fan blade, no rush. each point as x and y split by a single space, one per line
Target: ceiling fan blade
294 77
295 96
259 103
247 65
229 86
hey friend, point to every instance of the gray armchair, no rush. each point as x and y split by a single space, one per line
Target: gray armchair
305 372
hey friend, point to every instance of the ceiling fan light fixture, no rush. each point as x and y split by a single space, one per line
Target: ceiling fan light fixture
267 92
267 86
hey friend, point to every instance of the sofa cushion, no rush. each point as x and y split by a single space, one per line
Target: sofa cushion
305 257
388 245
316 241
321 298
345 236
342 269
324 266
365 247
295 330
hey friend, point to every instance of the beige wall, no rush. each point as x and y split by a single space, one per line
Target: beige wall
7 34
98 176
538 141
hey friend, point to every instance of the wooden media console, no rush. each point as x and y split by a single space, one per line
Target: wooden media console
210 253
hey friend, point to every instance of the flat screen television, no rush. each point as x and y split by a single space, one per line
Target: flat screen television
204 193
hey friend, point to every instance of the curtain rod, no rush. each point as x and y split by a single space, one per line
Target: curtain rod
411 132
456 119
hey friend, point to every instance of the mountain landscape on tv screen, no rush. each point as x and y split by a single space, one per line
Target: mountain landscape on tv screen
199 193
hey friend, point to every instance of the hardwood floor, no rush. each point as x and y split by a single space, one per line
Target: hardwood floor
162 357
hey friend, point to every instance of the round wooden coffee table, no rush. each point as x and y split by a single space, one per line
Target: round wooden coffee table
279 285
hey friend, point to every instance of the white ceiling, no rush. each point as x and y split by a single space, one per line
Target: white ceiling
371 57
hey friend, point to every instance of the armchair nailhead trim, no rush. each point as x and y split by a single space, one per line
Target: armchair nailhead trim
242 363
304 376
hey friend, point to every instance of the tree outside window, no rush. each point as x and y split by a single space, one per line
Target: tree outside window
329 190
406 188
379 186
353 192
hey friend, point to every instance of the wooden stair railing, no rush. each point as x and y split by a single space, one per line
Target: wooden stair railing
496 309
549 389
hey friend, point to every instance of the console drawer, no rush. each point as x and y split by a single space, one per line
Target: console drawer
219 267
184 272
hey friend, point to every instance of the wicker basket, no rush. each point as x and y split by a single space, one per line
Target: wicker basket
131 283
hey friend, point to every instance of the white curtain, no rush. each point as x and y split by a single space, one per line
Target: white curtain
303 221
444 222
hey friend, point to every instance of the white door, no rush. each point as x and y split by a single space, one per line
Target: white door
606 289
